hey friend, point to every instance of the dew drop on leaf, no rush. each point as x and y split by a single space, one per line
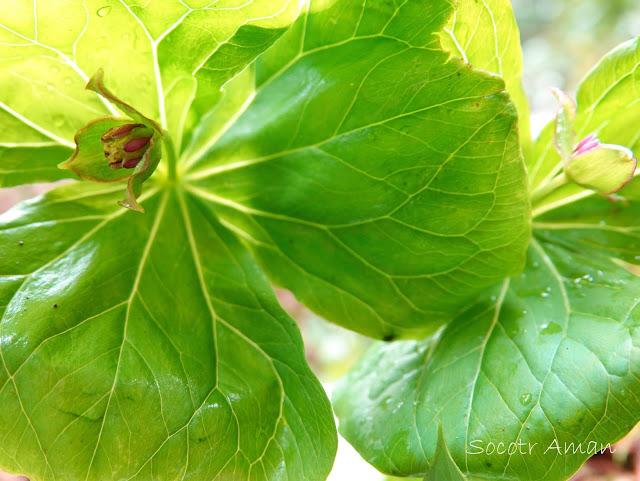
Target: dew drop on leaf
526 399
104 11
551 328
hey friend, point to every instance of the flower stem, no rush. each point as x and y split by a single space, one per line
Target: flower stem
171 157
549 187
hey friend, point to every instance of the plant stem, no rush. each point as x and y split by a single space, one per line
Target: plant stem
171 157
549 187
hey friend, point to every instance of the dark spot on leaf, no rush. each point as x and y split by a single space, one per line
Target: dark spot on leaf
389 337
459 74
488 464
55 306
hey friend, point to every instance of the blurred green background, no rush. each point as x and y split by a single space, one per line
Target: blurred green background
562 40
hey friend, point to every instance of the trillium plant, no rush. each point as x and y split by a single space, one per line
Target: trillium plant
374 158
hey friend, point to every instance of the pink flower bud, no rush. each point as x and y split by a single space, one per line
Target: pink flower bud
588 143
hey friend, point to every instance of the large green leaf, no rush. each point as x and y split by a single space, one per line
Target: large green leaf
373 175
148 347
485 34
607 106
165 58
550 355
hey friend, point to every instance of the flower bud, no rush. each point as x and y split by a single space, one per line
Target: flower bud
125 145
603 168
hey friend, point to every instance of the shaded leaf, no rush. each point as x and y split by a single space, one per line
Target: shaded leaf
355 178
150 347
550 356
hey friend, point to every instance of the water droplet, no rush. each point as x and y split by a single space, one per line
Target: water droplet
551 328
526 399
548 289
536 264
50 86
125 36
545 294
493 298
54 69
67 81
104 11
525 312
58 122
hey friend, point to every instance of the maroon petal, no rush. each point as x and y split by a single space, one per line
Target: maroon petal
136 144
131 163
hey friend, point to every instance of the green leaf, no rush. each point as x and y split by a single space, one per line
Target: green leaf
550 356
148 347
162 57
485 34
443 467
354 176
607 106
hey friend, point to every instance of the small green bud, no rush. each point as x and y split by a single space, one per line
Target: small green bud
603 168
125 145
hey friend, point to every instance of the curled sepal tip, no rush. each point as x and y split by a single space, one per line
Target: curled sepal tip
564 136
96 83
111 149
141 172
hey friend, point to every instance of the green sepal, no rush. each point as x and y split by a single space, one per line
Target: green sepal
141 173
88 161
605 169
565 133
